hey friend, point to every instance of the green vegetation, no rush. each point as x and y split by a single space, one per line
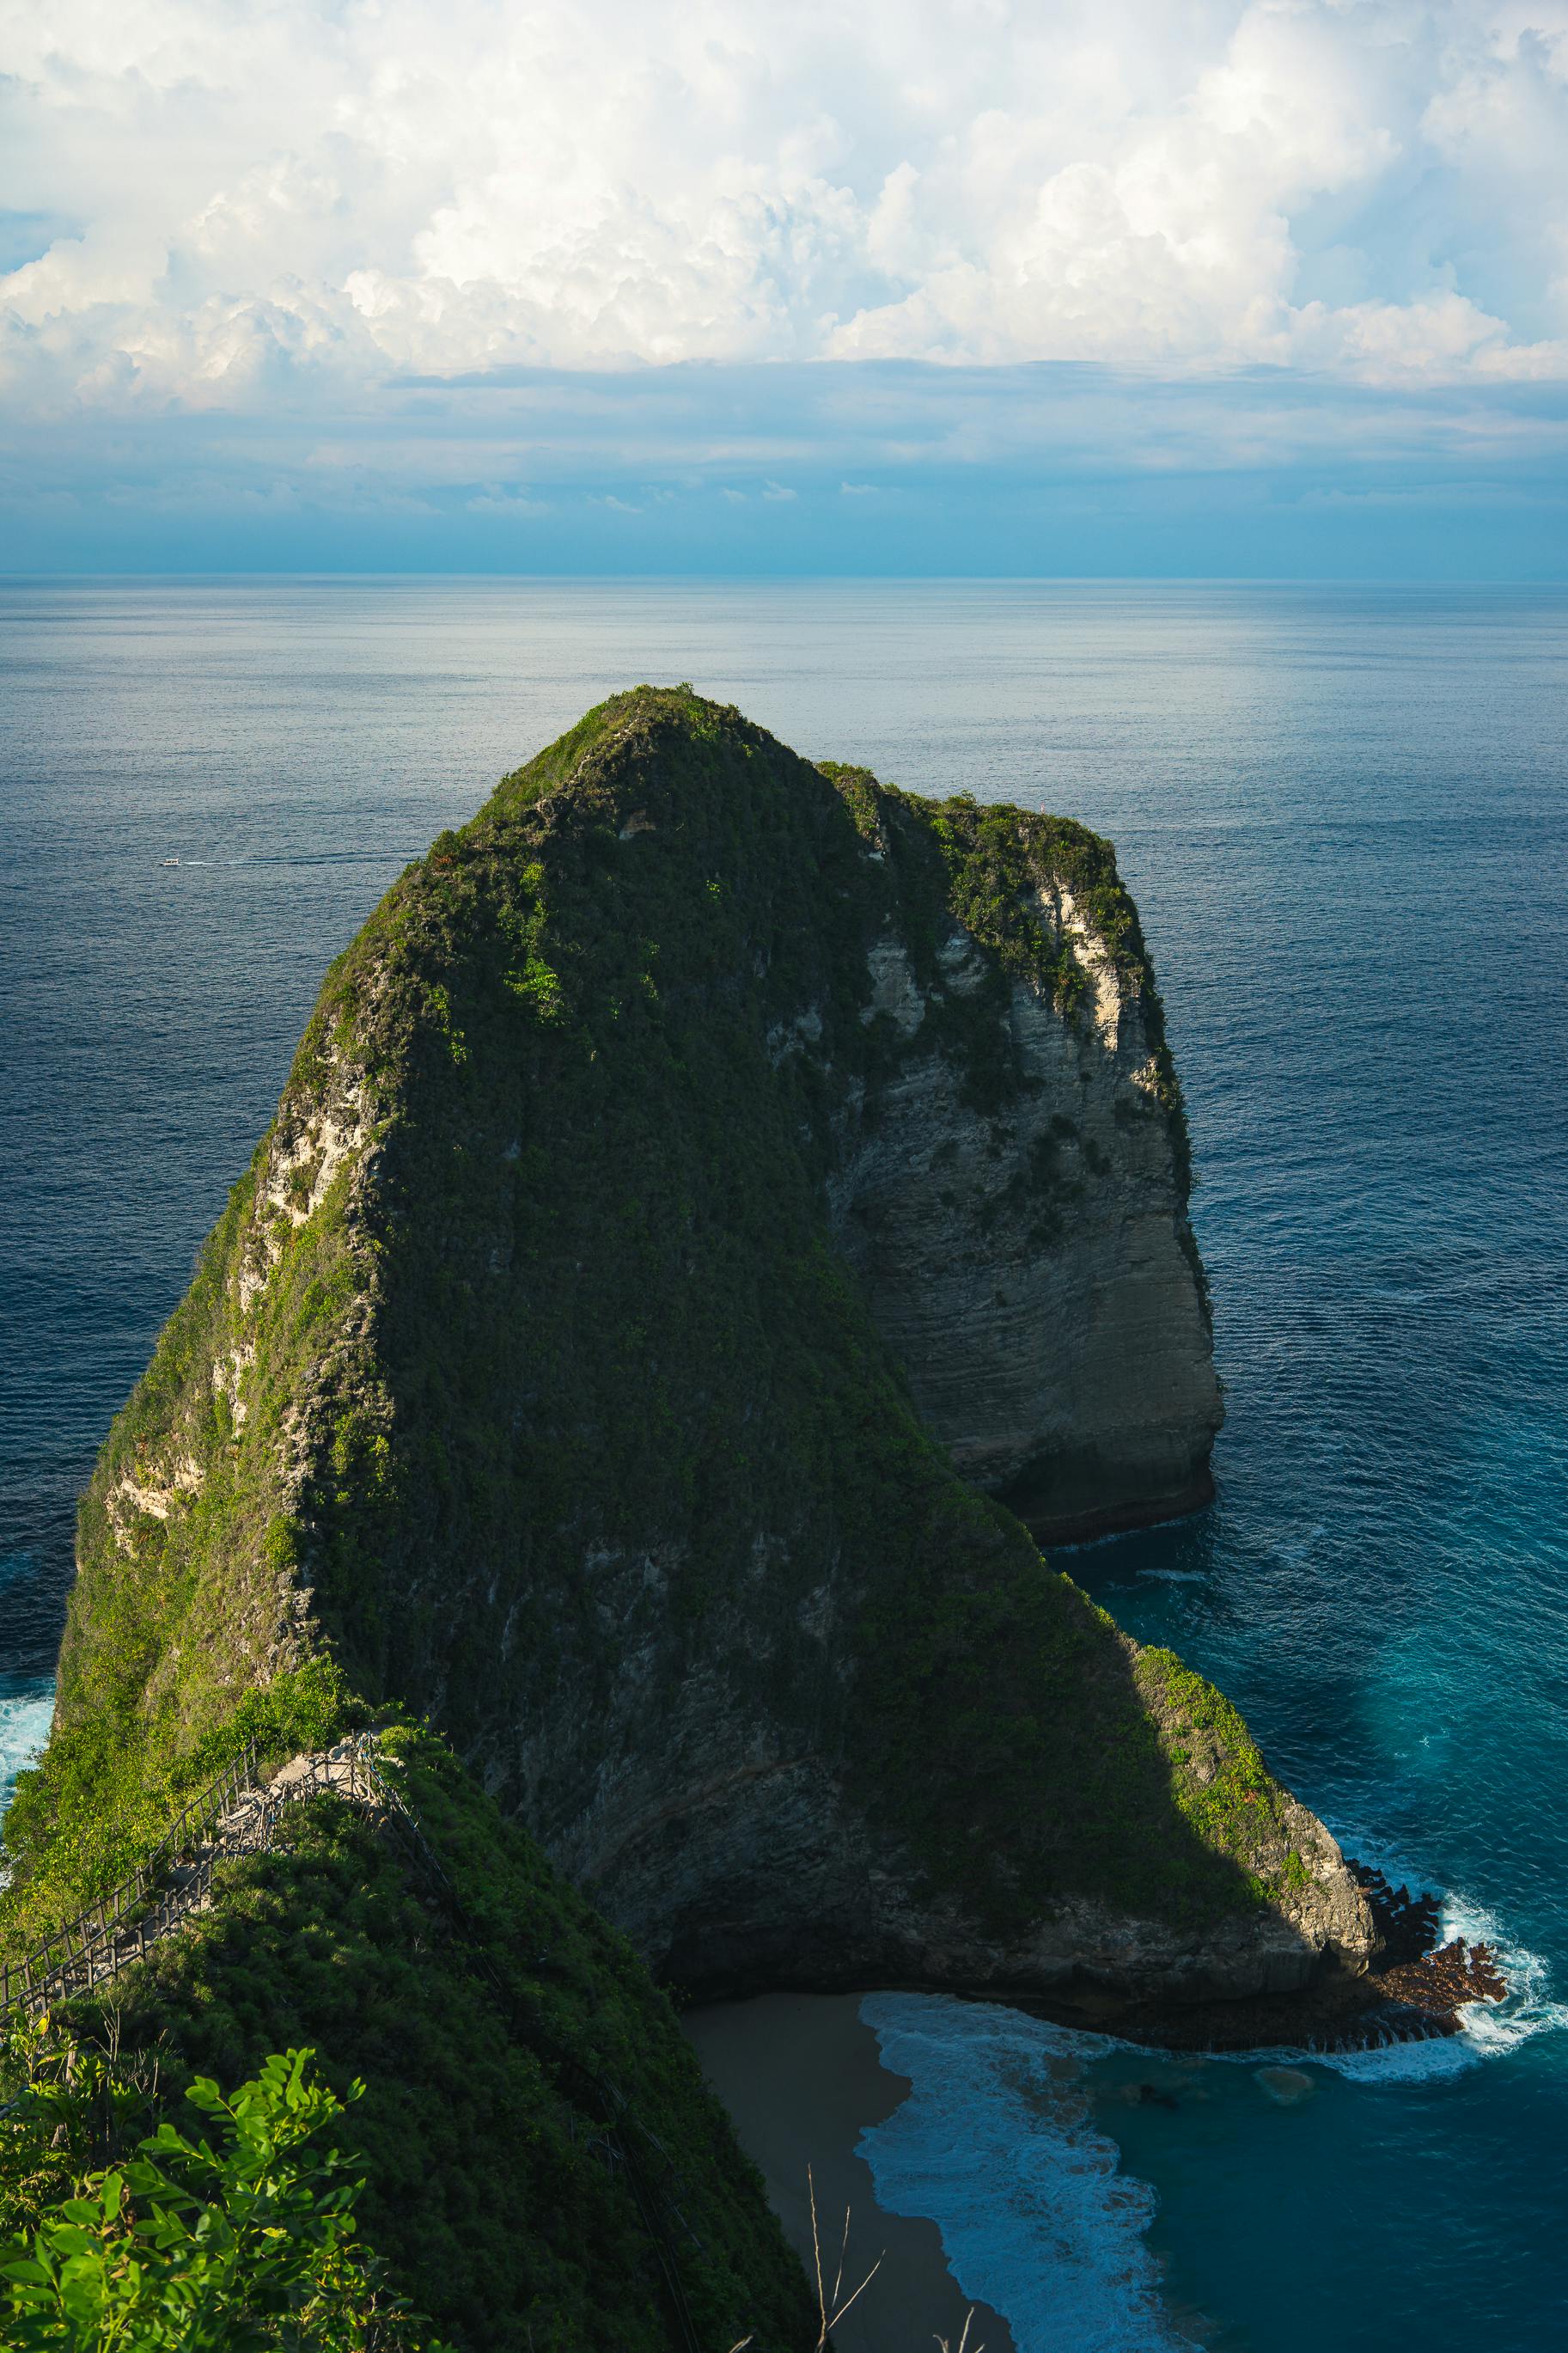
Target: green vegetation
178 2245
996 857
519 1349
957 1716
110 1790
586 1297
485 2188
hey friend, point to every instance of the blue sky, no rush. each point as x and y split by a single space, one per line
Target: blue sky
1276 290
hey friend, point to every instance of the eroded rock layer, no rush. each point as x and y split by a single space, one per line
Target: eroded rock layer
1023 1243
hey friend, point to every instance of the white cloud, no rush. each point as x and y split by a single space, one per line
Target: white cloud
269 207
507 506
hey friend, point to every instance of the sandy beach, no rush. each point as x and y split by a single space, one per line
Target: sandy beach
801 2078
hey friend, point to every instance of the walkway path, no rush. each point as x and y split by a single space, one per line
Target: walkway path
236 1815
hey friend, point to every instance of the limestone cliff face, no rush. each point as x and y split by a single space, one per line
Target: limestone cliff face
1031 1264
705 1174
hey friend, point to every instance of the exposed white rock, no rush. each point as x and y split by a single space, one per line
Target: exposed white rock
1094 959
787 1038
156 1496
1032 1267
301 1167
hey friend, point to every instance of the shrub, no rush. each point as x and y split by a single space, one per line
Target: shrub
252 2243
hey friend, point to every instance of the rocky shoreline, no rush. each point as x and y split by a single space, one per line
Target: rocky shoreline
1416 1974
1413 1991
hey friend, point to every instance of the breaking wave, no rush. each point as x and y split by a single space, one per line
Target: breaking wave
25 1714
996 2144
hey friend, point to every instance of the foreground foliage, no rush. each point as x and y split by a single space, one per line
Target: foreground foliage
476 2036
180 2246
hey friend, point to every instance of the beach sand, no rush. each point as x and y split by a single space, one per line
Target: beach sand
801 2078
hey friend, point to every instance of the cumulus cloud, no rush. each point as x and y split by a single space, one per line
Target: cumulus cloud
274 209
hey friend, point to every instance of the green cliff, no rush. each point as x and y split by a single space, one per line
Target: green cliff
713 1195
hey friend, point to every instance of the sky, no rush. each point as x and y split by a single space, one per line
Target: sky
1108 287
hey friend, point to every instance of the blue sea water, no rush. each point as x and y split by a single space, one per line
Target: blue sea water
1343 813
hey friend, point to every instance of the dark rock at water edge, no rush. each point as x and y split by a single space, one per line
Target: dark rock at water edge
1413 1990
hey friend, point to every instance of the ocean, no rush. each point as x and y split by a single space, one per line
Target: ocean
1344 814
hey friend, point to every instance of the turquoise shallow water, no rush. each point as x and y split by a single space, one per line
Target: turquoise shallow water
1344 814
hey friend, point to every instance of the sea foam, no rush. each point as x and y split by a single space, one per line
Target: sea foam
25 1715
994 2144
1488 2029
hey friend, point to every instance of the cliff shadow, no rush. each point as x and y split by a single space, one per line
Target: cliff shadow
1079 1797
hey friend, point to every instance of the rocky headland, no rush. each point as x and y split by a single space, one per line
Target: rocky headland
724 1213
1413 1988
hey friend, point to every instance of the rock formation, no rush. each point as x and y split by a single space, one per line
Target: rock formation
1025 1250
703 1177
